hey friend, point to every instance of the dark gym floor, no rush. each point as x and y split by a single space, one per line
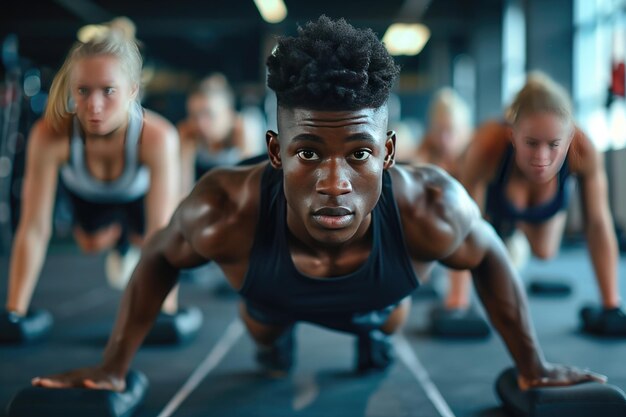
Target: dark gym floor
215 375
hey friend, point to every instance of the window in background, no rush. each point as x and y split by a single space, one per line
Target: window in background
514 50
599 51
464 81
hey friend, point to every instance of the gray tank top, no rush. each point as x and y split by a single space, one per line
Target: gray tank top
225 157
132 184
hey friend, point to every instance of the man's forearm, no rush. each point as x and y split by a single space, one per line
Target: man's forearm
505 302
152 280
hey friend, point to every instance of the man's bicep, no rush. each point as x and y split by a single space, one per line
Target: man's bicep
175 242
470 253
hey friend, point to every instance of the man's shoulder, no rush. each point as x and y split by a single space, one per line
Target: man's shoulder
224 186
221 208
425 185
412 180
435 209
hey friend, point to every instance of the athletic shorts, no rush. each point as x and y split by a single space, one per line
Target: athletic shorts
354 323
92 217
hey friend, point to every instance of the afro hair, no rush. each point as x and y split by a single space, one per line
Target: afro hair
331 65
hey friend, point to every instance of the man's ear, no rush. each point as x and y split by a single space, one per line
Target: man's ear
390 150
273 149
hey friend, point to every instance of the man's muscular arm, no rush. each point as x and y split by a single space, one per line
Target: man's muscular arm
498 286
163 255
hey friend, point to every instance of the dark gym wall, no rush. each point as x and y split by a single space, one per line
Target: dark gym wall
549 41
486 48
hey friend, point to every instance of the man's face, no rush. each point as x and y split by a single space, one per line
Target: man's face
332 163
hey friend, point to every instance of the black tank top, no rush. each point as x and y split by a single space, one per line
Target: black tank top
503 214
273 282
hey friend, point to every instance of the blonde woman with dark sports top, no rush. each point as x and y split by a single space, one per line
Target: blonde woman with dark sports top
521 171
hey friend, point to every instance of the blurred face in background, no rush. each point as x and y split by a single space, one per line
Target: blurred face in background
211 115
447 135
541 142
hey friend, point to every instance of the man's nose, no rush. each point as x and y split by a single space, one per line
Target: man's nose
333 178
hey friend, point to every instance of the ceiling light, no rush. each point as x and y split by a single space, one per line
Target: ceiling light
272 11
406 39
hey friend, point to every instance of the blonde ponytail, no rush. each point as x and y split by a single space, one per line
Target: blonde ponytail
540 94
57 109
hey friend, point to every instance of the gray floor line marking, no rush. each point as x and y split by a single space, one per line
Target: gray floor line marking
234 331
84 302
410 359
307 391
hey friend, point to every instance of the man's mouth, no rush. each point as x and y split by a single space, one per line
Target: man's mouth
332 211
333 217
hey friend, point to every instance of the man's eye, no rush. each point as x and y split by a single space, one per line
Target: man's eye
361 155
307 155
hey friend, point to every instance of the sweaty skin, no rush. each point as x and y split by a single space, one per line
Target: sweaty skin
333 164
